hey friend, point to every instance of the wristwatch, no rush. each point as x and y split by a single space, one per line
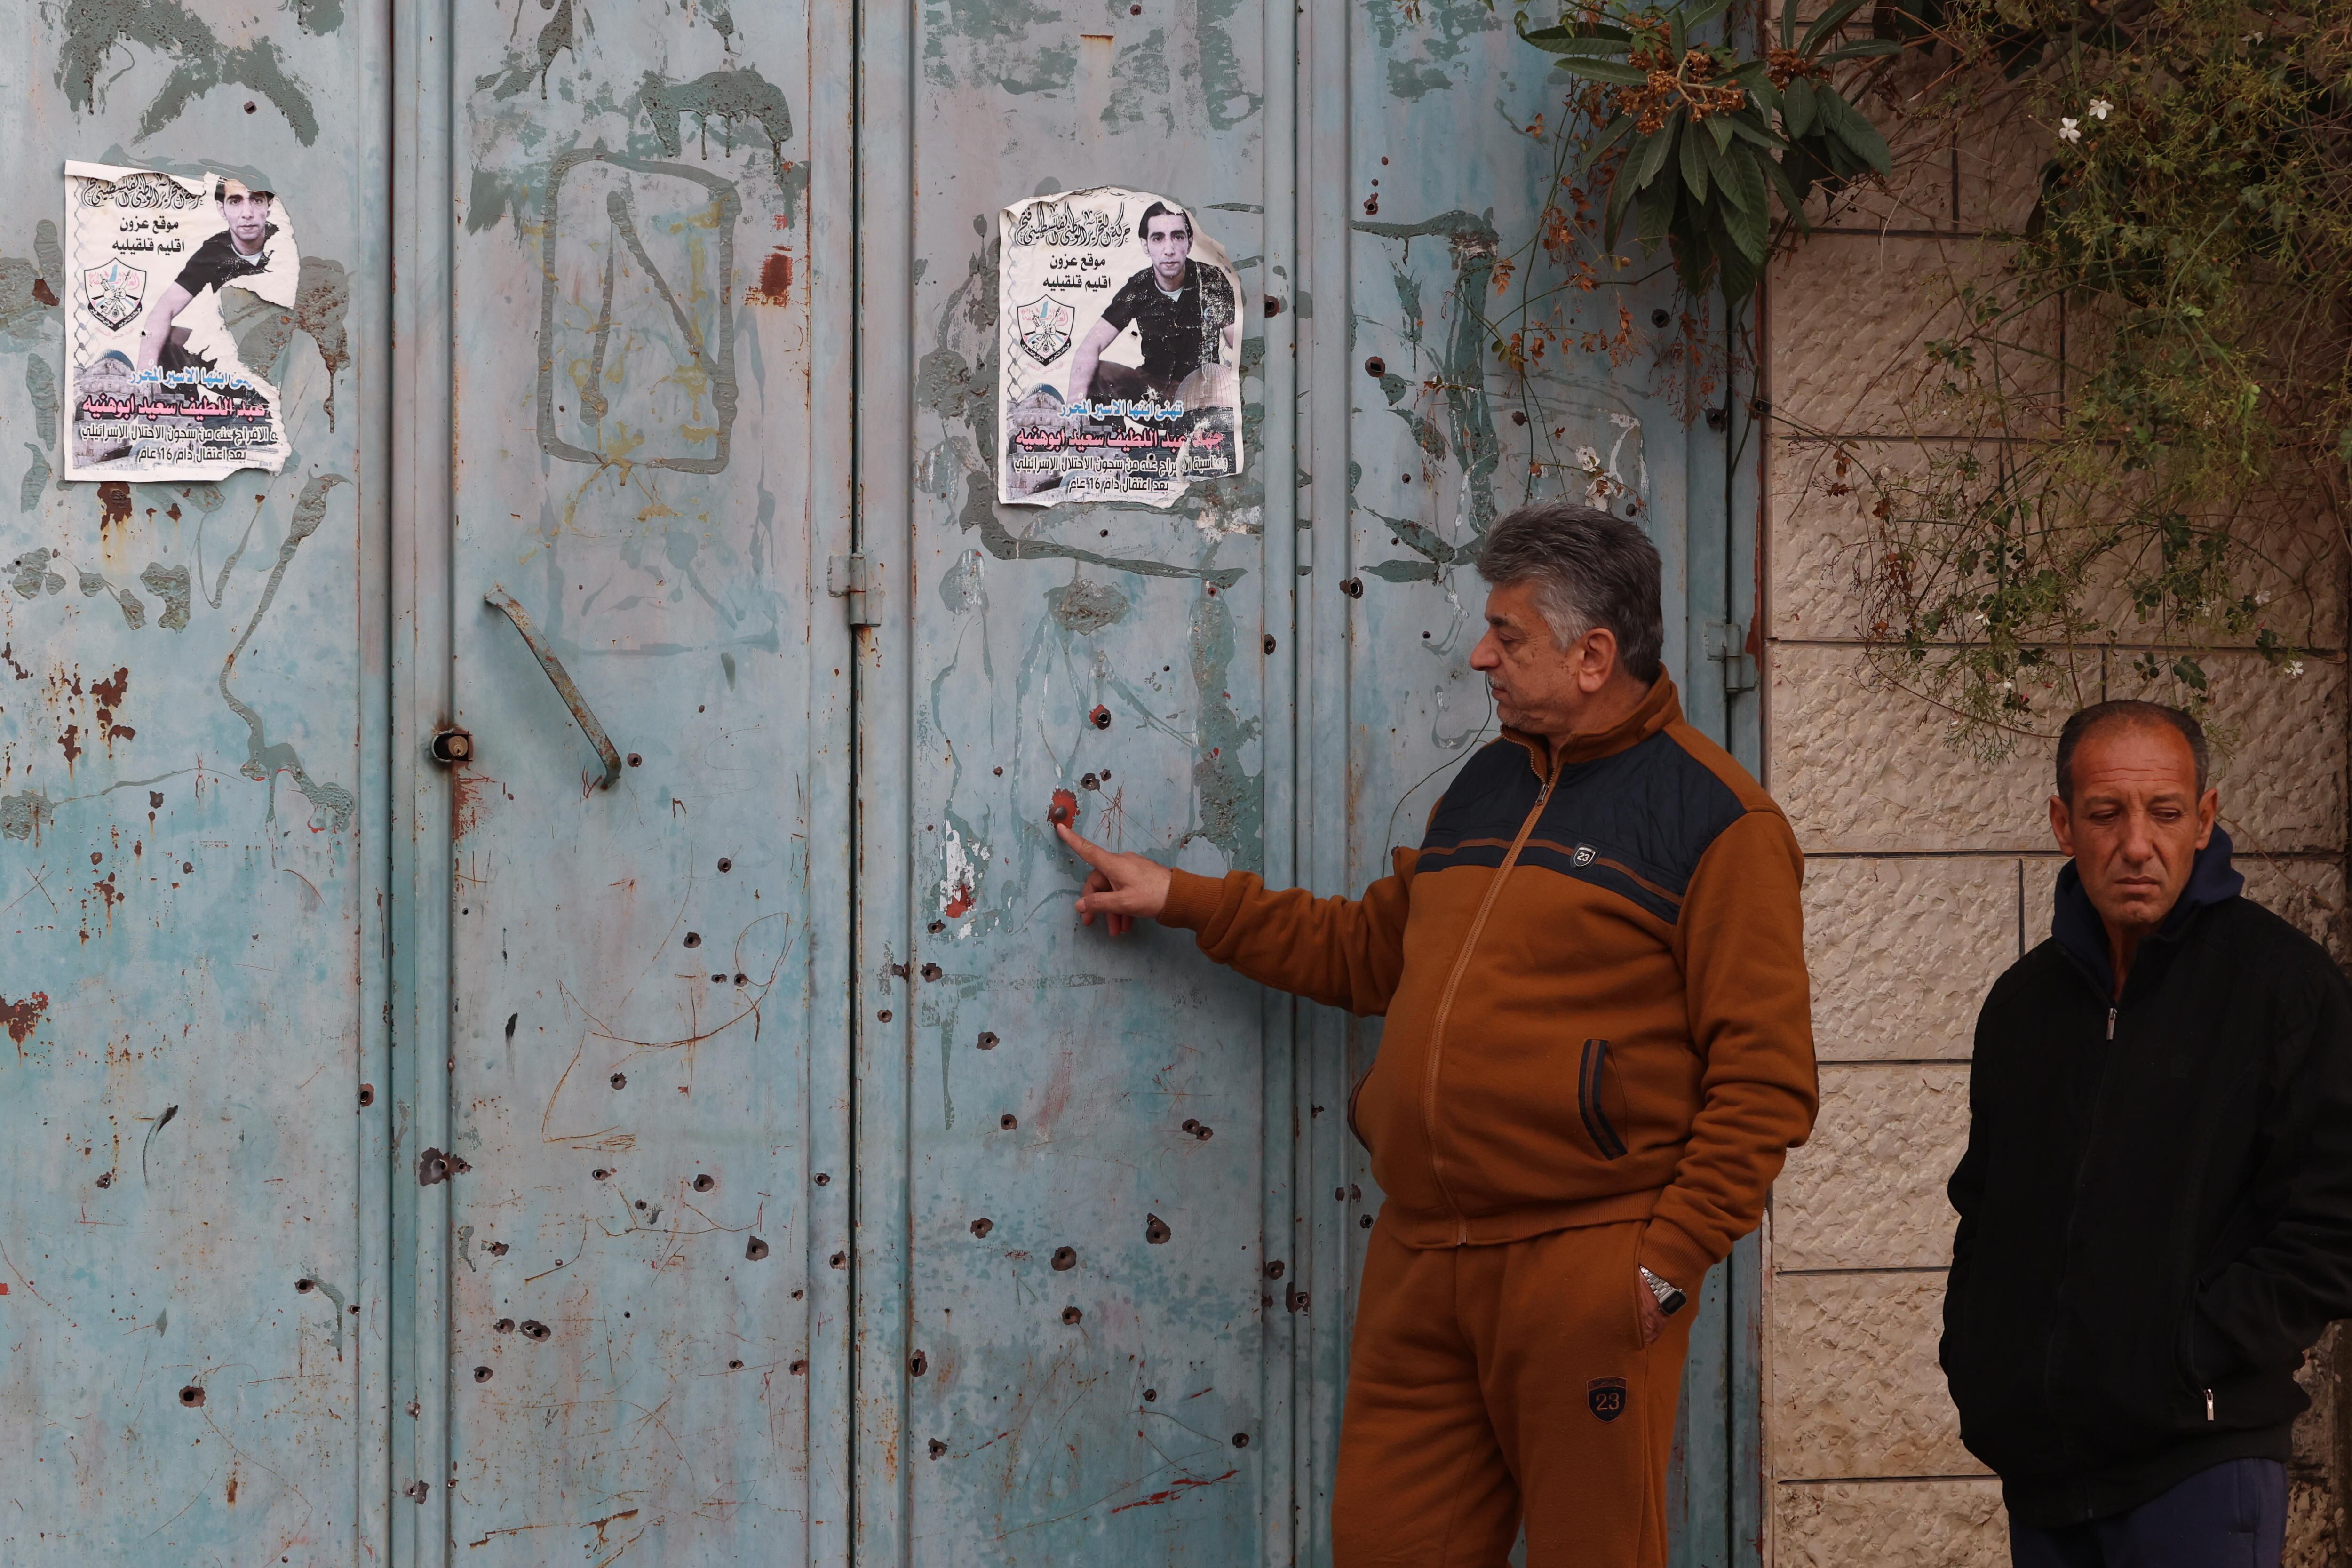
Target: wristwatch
1670 1299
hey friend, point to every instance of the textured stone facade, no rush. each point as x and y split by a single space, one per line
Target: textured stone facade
1927 874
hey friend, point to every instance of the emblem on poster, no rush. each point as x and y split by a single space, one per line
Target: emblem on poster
115 293
155 377
1045 328
1119 360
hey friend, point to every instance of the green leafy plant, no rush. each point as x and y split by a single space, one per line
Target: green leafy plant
1700 136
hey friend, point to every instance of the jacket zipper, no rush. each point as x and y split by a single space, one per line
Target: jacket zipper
2111 1023
1445 1008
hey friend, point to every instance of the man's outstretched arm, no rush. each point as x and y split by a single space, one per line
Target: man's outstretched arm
1343 952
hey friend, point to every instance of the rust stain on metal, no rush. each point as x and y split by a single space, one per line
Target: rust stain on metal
114 503
21 1018
1063 812
1172 1493
775 285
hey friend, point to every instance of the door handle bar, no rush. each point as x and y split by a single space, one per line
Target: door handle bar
564 688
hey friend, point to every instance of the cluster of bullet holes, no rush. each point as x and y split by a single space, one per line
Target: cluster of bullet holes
533 1329
1199 1129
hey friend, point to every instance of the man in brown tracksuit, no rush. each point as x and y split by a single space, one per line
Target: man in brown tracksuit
1598 1052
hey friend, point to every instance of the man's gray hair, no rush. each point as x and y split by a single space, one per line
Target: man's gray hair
1590 570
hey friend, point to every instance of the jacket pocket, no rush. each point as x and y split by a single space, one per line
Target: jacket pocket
1597 1090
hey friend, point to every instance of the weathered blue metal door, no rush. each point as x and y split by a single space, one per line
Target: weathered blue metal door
543 1013
1109 1218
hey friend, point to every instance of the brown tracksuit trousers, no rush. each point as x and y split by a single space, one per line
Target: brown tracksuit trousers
1486 1382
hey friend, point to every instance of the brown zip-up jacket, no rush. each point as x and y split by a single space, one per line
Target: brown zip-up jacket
1594 983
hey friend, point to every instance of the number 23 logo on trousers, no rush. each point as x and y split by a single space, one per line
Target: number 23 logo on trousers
1607 1397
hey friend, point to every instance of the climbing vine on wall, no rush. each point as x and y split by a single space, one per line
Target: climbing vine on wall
2138 400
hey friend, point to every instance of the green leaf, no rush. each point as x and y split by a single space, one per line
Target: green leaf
1707 13
1787 27
1544 37
1737 274
1867 49
1572 44
1799 106
1791 198
1654 204
1725 167
1616 131
1601 70
1654 153
1749 217
1764 102
1827 23
1677 36
1694 160
1621 195
1749 131
1847 124
1719 127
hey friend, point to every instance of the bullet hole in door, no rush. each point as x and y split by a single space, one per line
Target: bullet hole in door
1008 1122
503 1326
725 864
704 1182
919 1363
367 1094
938 1448
981 1226
1065 1259
988 1040
305 1286
1071 1315
533 1329
755 1249
1155 1230
620 1080
693 939
481 1374
931 972
192 1396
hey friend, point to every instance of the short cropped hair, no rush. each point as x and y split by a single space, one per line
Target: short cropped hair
1590 569
2099 716
1161 209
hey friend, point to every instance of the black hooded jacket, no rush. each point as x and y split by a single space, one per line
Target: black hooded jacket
2156 1205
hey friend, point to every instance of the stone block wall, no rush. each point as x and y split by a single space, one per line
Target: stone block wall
1927 874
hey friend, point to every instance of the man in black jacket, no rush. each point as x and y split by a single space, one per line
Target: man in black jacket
2156 1205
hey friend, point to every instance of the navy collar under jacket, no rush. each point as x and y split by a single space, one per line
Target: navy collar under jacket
2075 924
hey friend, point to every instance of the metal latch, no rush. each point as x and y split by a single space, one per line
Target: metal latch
1727 644
852 578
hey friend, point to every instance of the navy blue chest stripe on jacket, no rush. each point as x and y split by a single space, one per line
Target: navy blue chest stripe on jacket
1636 823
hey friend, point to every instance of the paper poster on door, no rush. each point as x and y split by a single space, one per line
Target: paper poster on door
1118 373
163 273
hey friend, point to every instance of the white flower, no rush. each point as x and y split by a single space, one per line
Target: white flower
2254 38
1597 493
1588 459
2100 109
2069 131
2292 668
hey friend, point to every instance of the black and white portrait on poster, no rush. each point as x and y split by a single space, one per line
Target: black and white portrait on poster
161 270
1119 371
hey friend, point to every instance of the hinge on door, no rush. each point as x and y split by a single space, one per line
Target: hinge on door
1727 644
852 578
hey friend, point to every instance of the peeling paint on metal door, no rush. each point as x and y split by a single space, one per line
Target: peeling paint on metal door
193 1093
636 1151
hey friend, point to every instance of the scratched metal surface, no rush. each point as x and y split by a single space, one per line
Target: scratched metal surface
190 839
629 1320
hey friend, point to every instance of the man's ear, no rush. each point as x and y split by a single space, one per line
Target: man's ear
1596 658
2062 825
2209 808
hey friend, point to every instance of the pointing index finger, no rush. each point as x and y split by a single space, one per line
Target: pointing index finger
1092 853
